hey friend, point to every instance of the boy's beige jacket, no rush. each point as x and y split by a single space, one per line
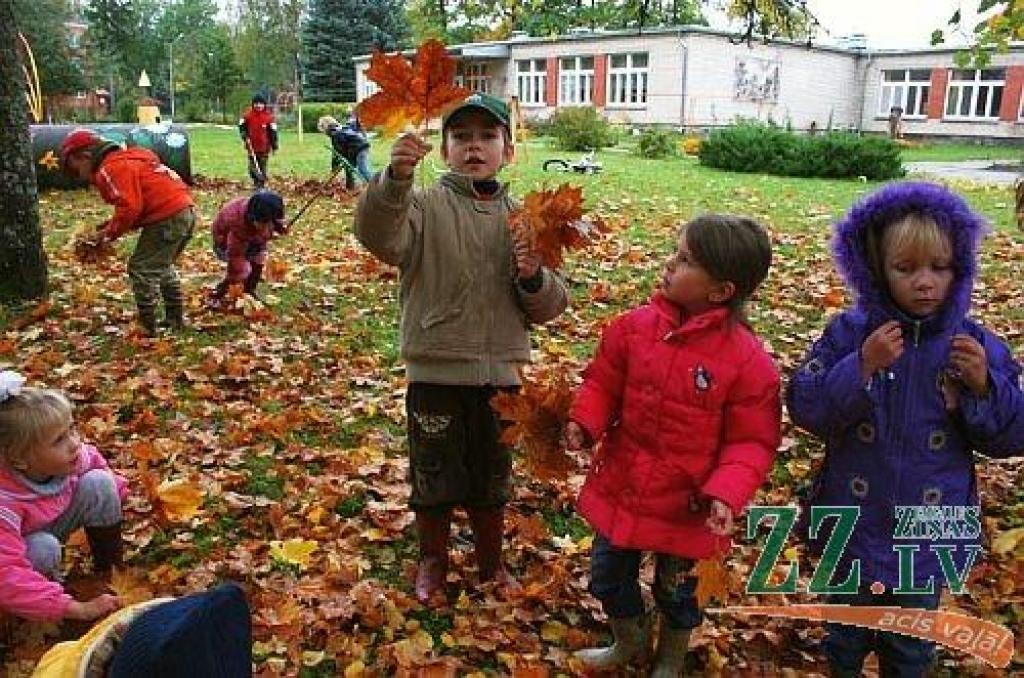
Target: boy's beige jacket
464 318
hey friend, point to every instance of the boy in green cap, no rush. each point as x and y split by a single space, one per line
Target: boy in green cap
470 288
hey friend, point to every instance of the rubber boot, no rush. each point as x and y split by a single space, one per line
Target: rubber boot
671 655
175 317
106 546
253 281
631 636
147 319
488 529
432 530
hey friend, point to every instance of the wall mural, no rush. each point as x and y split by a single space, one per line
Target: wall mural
757 79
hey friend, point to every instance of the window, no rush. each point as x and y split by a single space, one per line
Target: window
908 89
975 94
627 80
74 40
575 81
532 75
369 88
473 76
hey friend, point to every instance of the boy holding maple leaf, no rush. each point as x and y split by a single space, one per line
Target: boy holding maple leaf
684 401
470 287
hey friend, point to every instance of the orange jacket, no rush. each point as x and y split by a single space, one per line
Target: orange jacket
142 190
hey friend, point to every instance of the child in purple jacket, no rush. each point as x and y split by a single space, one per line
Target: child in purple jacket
241 232
904 387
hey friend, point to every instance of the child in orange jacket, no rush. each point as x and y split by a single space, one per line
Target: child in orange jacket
146 195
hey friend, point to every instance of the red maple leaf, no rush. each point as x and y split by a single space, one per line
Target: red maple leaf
536 416
411 93
555 222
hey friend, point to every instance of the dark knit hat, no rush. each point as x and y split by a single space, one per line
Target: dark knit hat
265 205
206 634
259 98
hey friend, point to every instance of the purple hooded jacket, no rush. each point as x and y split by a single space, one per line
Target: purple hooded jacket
890 442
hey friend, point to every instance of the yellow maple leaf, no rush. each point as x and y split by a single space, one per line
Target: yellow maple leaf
179 499
128 587
712 581
293 551
50 161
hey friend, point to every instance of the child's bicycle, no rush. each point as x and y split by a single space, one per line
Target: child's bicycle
585 165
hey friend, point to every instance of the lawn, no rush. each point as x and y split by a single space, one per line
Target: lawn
291 421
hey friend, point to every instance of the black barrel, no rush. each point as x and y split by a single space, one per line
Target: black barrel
169 142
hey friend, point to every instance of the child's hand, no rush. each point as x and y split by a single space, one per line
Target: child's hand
968 358
720 518
881 349
527 259
574 437
93 609
407 152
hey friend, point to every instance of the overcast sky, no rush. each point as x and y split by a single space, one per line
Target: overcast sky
889 23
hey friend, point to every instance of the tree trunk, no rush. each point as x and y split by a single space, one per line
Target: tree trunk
443 16
22 259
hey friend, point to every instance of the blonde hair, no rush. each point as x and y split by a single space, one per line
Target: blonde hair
27 419
913 233
326 122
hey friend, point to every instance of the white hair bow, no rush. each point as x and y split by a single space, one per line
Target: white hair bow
10 384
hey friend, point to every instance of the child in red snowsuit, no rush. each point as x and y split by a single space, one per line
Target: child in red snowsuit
259 134
241 234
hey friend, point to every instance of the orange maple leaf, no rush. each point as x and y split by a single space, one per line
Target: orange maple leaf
537 415
411 93
712 581
554 221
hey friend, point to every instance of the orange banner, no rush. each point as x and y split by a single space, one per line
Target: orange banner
986 640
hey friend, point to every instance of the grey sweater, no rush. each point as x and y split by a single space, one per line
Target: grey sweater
464 318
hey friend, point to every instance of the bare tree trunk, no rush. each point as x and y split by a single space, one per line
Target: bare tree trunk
443 13
22 259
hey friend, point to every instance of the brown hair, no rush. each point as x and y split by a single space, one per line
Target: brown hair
27 419
731 249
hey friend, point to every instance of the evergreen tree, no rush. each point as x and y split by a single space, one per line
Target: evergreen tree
338 30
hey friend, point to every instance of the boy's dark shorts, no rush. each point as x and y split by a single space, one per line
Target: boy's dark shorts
455 457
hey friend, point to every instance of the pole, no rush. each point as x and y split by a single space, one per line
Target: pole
171 77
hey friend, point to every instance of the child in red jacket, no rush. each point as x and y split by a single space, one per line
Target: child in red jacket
241 232
259 135
684 401
147 196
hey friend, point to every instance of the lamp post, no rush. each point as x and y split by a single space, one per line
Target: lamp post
170 75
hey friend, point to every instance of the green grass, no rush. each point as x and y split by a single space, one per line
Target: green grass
960 151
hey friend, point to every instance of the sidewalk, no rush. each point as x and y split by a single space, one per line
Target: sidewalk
970 170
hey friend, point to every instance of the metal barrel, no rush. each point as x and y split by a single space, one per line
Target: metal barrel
169 142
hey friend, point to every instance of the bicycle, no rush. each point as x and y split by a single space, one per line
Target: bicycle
585 165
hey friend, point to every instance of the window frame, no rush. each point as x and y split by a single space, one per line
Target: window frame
903 86
532 81
582 78
626 75
469 74
974 86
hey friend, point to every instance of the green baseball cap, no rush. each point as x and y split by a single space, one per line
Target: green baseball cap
484 102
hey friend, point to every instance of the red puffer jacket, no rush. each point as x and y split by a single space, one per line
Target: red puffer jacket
683 413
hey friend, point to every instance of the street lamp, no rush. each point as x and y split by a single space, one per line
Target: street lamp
170 76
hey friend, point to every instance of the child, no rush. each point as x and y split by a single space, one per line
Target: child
684 401
903 387
348 143
259 135
50 485
468 295
241 232
146 195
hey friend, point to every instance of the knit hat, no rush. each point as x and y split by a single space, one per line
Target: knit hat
326 122
206 634
265 205
497 108
259 98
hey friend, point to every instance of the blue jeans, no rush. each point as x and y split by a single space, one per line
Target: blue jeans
362 166
615 581
901 656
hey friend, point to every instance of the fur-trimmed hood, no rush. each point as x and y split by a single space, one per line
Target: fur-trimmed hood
887 205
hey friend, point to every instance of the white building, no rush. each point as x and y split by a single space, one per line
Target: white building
696 77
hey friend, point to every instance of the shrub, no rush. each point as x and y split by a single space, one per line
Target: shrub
769 149
194 111
580 129
312 110
655 143
126 110
691 145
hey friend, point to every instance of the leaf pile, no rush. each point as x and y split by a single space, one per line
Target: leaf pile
411 93
91 250
537 415
554 220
